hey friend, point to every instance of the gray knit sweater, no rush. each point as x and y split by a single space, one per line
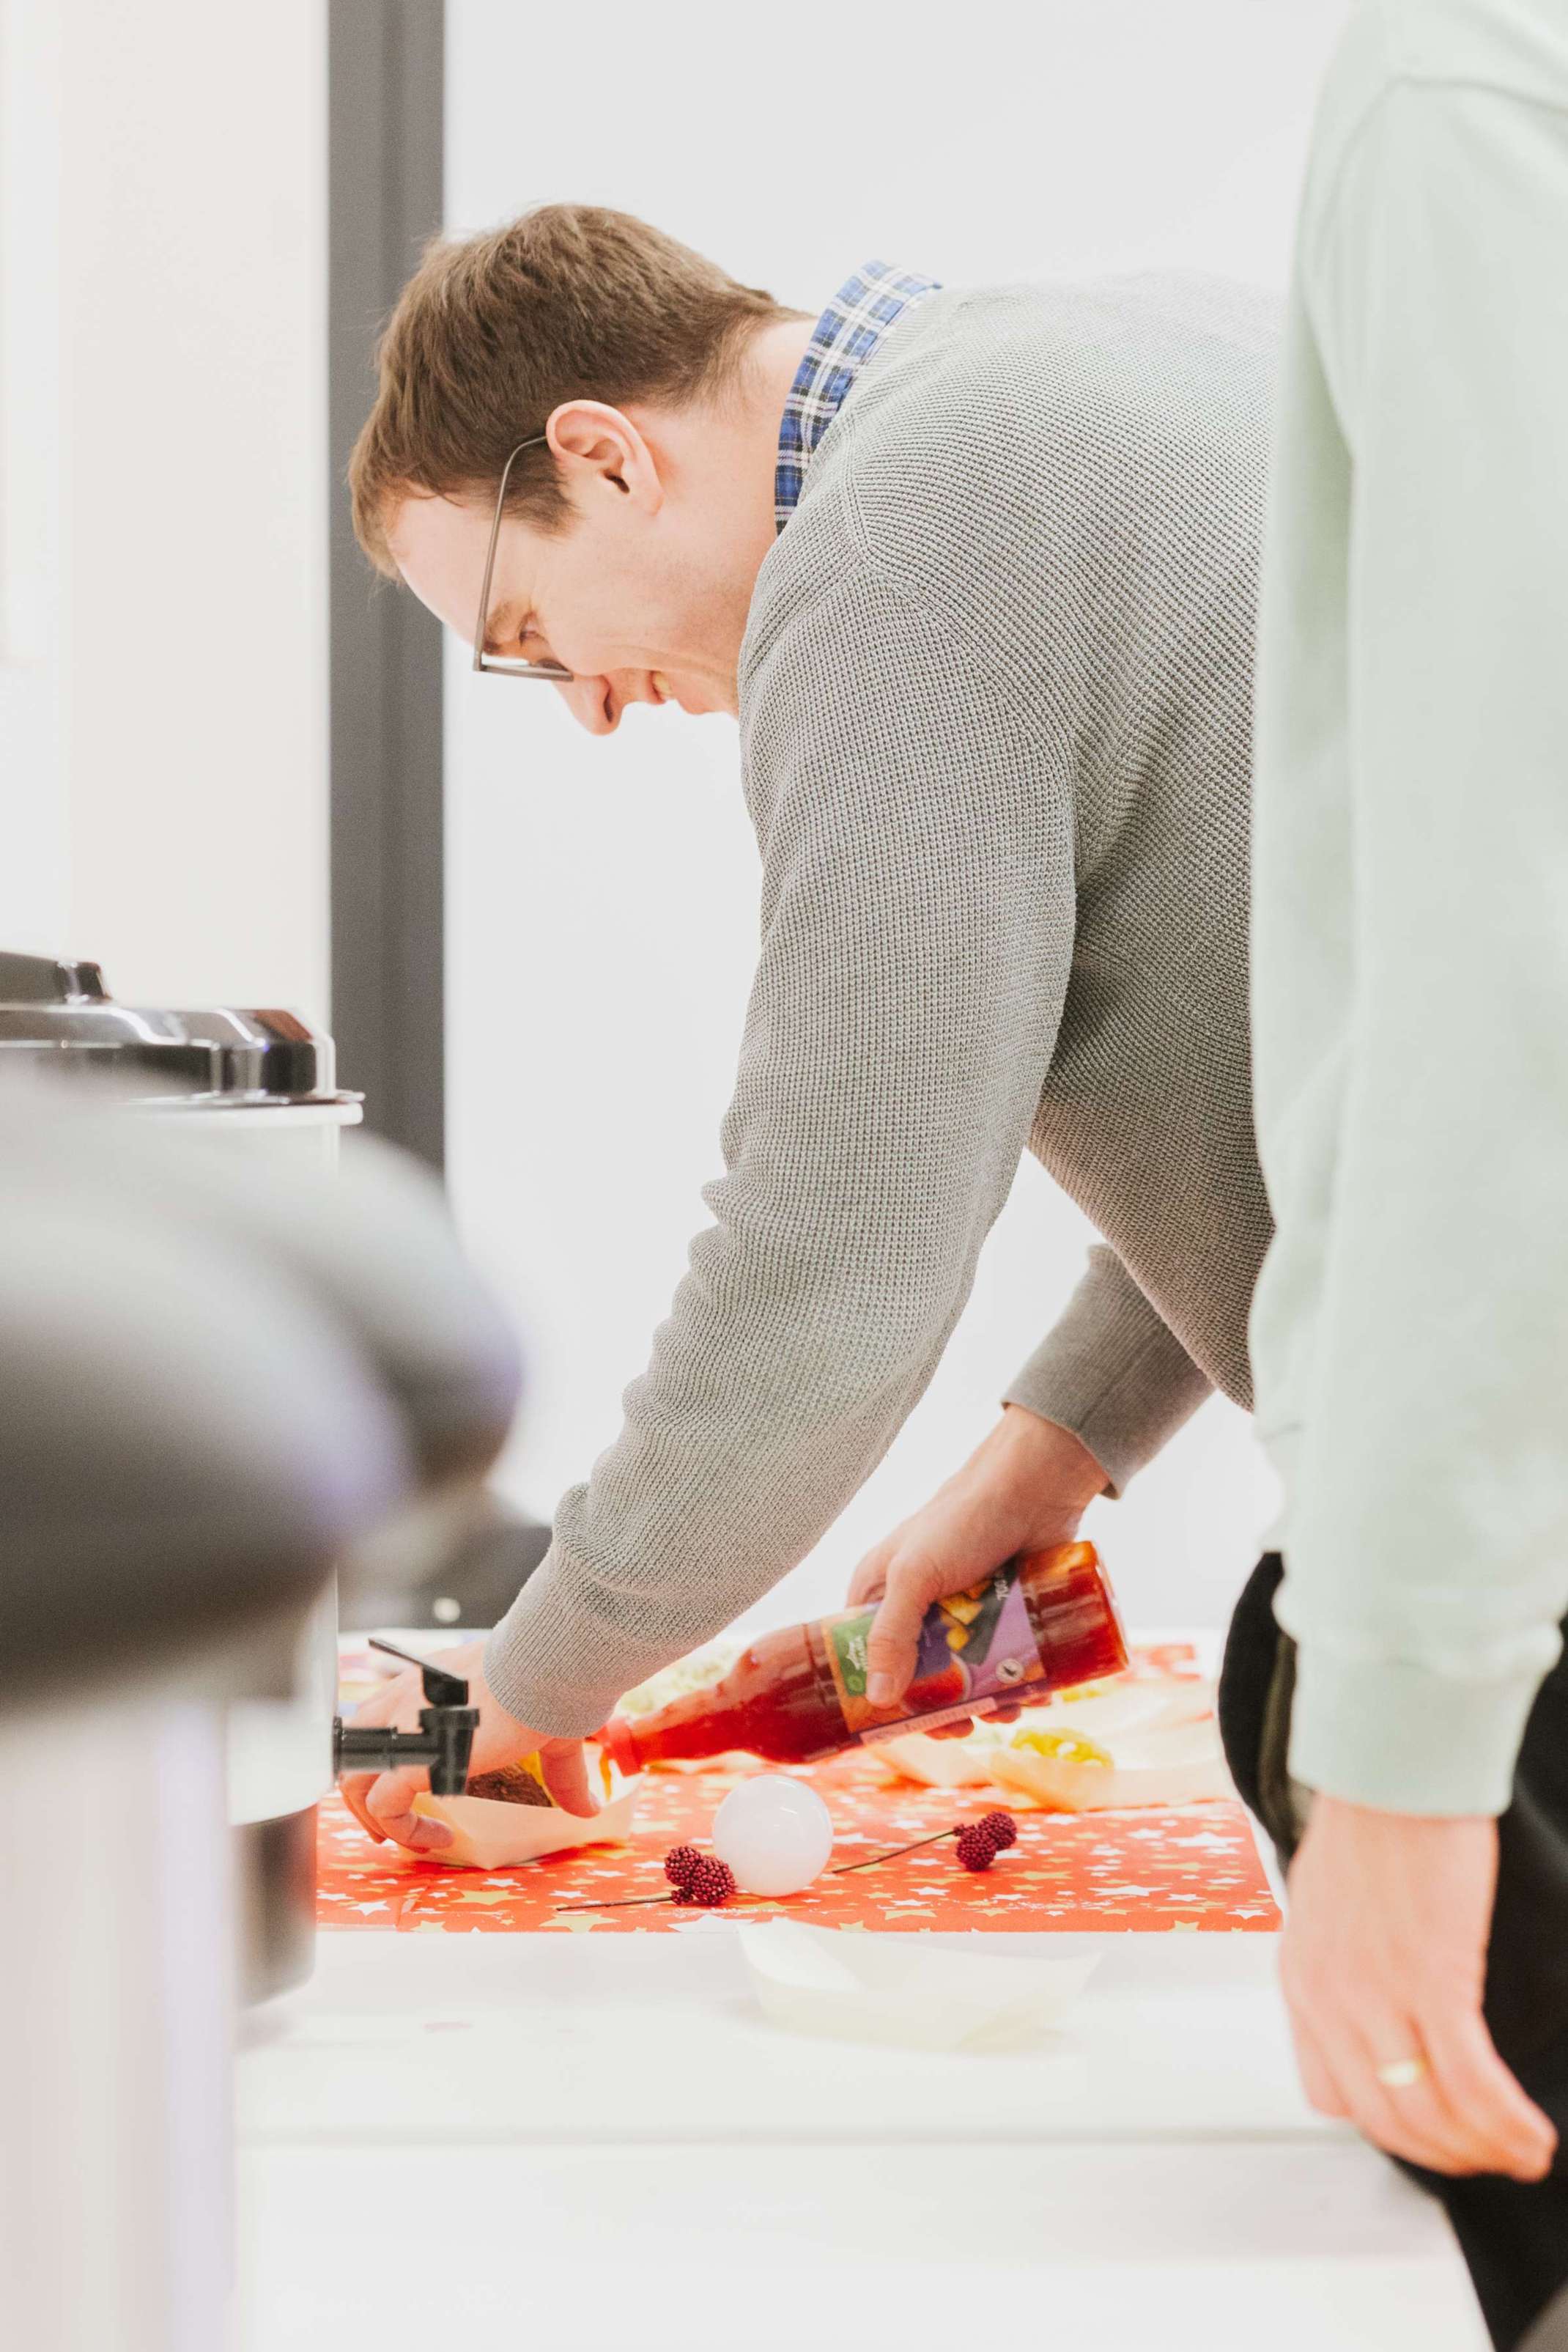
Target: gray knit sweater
994 721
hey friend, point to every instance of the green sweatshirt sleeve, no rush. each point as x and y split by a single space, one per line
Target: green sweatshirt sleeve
1411 924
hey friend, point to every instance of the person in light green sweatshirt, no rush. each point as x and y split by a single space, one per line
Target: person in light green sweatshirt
1409 1333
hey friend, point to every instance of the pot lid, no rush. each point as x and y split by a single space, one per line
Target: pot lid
60 1017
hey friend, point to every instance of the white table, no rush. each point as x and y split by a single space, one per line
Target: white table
577 2143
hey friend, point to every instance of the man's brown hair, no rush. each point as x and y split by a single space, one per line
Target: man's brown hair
491 334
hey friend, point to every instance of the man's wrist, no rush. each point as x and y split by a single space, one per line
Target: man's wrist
1048 1456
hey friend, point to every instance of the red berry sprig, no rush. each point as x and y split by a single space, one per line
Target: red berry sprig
982 1841
978 1848
1002 1827
711 1883
681 1864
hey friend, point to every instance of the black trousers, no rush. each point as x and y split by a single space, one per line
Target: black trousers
1514 2234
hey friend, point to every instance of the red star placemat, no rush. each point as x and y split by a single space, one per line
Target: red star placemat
1192 1867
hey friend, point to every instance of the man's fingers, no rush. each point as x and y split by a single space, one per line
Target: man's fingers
1389 2129
400 1696
1339 2072
1407 2124
390 1806
354 1793
1464 2114
895 1635
1485 2097
870 1579
962 1730
1415 2124
1413 2120
1317 2082
428 1837
565 1772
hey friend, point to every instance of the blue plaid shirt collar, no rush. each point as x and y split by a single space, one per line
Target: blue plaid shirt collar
849 330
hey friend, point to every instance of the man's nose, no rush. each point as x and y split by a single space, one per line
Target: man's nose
597 703
592 702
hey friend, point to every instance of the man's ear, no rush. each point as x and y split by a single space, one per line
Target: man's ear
601 452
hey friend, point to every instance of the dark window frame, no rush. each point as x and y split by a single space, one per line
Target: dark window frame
385 187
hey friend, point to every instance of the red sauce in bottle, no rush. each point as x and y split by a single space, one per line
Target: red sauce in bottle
1045 1620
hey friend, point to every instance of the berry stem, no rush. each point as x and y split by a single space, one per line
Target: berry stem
893 1852
630 1902
620 1903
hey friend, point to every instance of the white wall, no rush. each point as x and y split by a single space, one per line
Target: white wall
601 907
32 867
163 425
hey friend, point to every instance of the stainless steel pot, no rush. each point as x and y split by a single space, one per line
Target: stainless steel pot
216 1382
261 1081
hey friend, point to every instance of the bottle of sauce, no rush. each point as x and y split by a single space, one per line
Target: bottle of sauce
1043 1622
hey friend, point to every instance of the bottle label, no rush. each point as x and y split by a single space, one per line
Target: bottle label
975 1646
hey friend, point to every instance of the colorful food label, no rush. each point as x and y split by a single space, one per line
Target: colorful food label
977 1646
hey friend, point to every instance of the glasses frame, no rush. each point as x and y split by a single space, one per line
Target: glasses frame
503 665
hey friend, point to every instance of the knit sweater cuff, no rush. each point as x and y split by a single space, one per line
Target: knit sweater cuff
1112 1372
1390 1734
553 1665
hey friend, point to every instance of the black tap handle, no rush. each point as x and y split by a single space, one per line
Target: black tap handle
450 1730
440 1689
443 1744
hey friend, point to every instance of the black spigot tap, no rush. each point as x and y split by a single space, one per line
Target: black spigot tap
443 1741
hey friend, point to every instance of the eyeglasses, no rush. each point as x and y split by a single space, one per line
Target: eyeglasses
500 665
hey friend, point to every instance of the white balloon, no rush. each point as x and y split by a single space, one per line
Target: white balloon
774 1833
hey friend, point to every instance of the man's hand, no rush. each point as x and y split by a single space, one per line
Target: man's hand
385 1803
1384 1961
1026 1487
